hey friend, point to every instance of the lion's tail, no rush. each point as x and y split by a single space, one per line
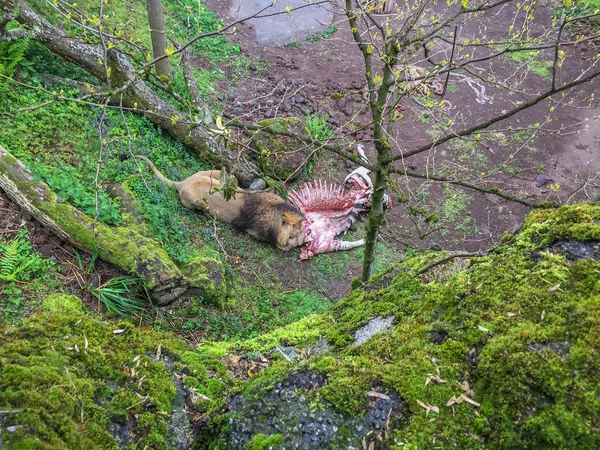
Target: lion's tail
160 176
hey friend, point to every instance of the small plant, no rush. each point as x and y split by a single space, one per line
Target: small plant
72 190
121 295
11 54
19 263
317 127
330 31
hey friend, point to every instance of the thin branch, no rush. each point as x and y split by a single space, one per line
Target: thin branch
448 258
494 120
493 191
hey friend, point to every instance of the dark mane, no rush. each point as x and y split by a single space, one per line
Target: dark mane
263 212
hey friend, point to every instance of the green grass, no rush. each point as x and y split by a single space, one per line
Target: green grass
330 31
542 68
253 311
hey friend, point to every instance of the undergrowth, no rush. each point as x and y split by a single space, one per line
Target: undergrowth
23 273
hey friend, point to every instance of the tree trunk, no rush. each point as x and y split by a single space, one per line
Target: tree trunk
138 96
159 39
122 246
374 224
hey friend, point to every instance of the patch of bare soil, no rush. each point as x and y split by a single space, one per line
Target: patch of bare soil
560 161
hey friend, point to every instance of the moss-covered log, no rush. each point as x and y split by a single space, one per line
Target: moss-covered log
124 247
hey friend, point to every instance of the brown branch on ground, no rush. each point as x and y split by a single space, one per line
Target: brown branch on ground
446 259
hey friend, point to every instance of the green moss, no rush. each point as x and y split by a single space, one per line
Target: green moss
520 327
9 159
262 442
546 226
206 271
68 376
63 303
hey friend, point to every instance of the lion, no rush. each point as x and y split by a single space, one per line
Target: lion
265 216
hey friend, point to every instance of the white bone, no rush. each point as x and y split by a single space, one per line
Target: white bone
361 172
361 152
347 245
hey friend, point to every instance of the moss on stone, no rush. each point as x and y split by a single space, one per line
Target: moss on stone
63 303
206 271
520 326
68 377
262 442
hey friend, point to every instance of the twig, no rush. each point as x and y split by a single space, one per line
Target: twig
451 61
448 258
284 355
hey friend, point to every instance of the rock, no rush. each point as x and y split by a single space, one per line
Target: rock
258 184
375 326
252 67
542 180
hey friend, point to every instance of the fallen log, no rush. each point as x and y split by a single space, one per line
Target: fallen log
123 246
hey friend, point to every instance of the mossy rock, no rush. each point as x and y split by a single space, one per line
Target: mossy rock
63 303
278 156
71 381
206 273
503 354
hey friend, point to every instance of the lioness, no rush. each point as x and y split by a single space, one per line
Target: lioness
265 216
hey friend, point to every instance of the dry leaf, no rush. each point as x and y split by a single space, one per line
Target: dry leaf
483 329
543 314
377 395
467 388
452 401
554 288
140 382
510 314
468 400
158 351
119 331
428 407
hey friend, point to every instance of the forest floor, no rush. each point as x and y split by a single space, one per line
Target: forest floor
306 77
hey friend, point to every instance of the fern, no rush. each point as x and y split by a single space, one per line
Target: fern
11 54
9 262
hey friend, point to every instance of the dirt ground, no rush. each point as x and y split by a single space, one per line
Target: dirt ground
302 77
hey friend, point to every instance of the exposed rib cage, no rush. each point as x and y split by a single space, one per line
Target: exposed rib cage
319 195
331 209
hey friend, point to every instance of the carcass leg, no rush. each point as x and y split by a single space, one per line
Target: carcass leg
348 245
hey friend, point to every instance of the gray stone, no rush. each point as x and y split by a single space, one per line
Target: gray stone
375 326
